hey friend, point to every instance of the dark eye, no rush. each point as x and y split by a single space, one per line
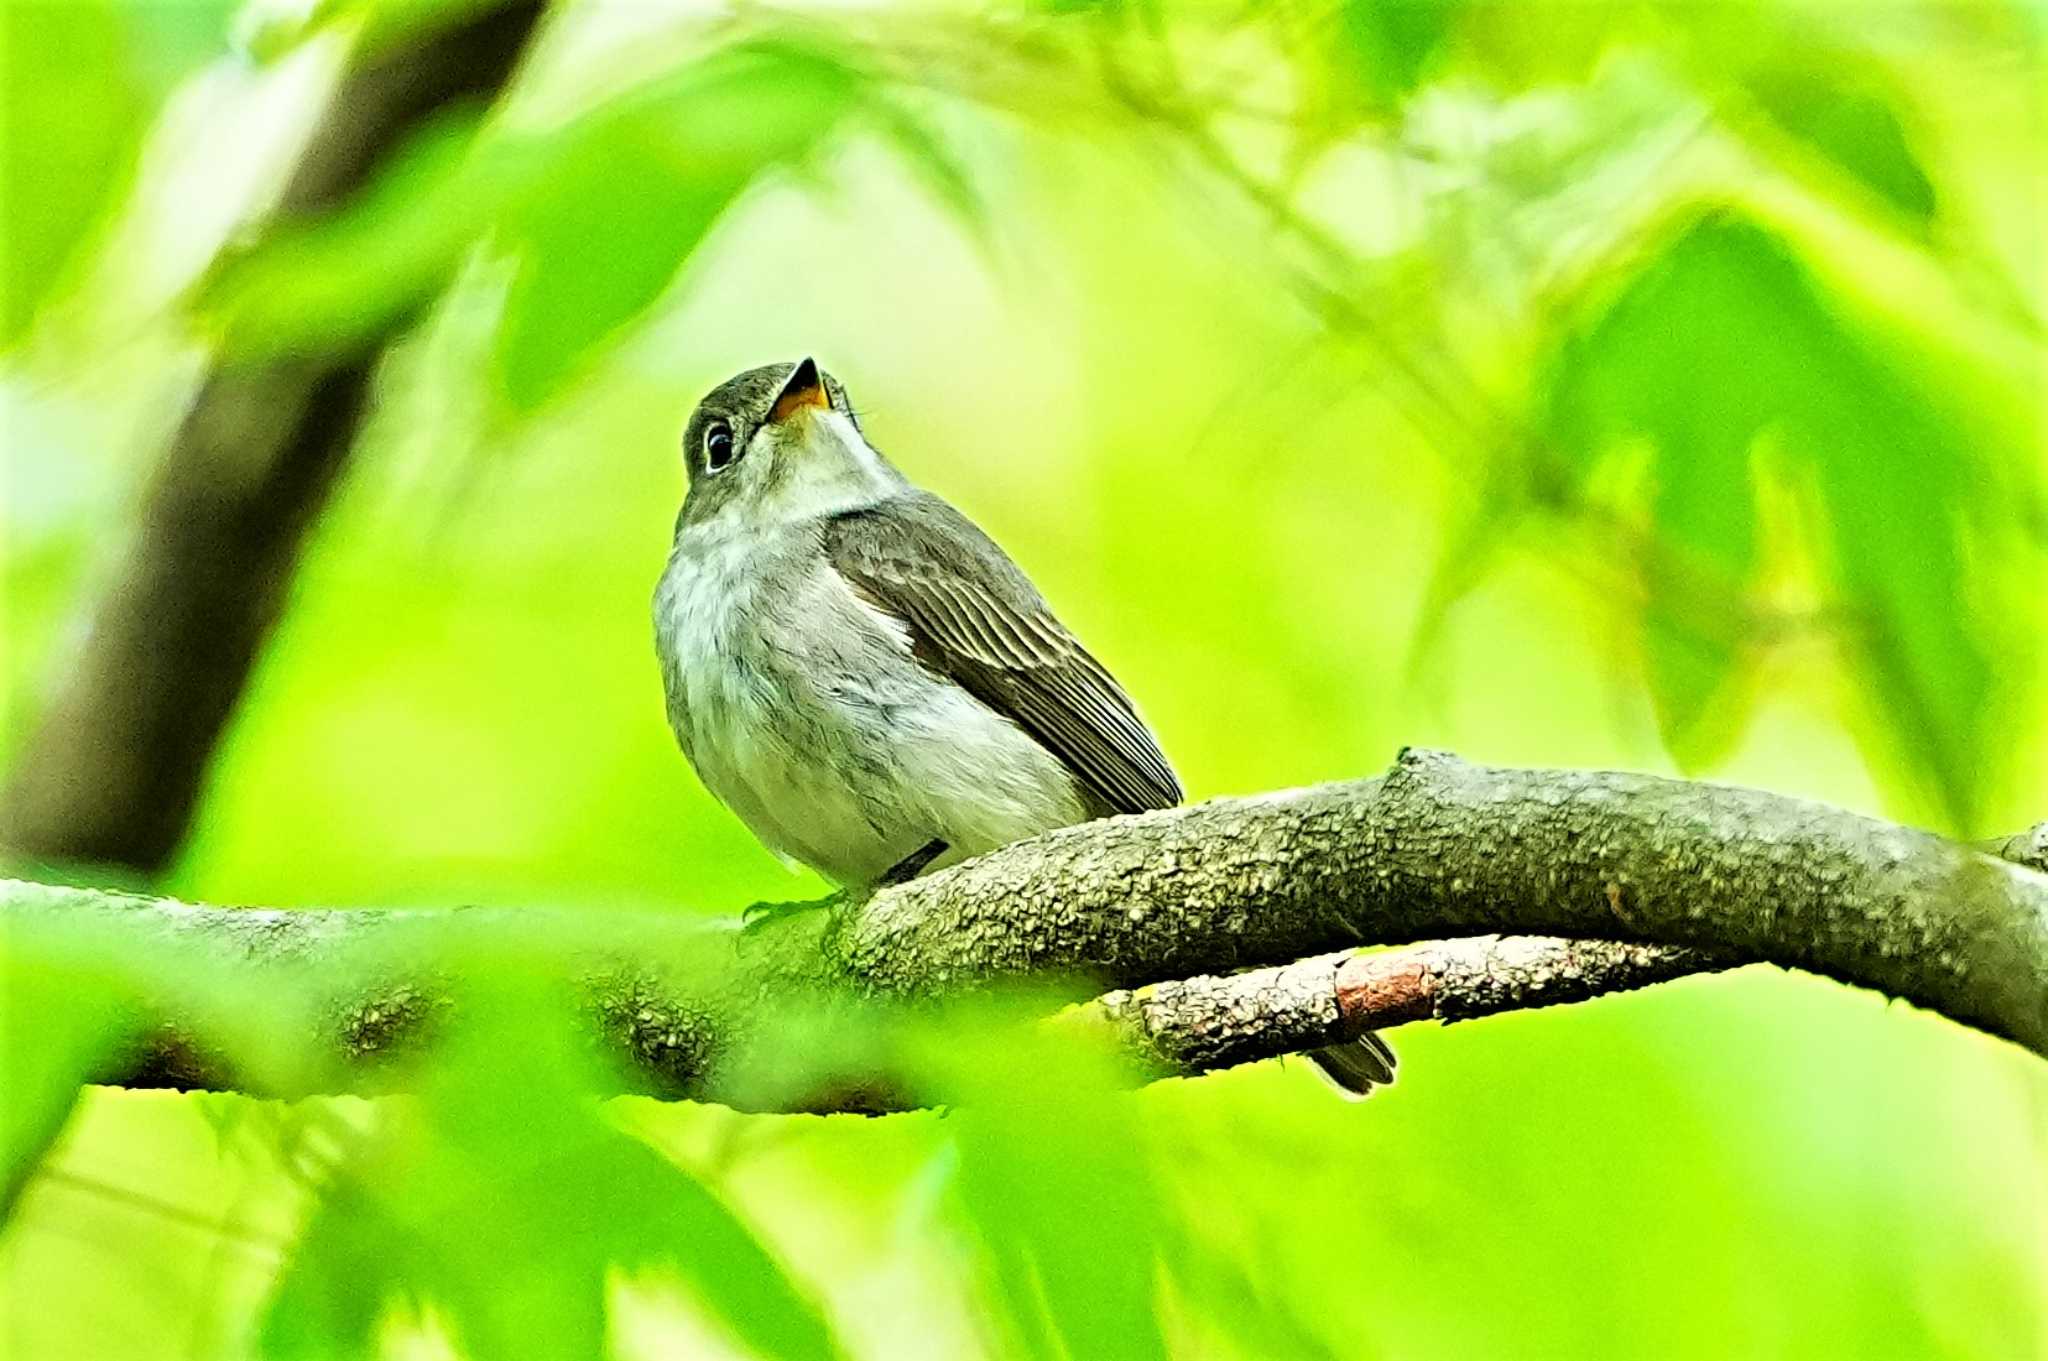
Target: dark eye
718 447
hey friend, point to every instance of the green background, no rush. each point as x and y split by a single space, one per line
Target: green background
1762 287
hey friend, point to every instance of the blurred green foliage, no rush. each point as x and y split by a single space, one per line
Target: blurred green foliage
61 1019
597 217
502 1200
1723 353
1055 1191
1666 370
73 117
1856 127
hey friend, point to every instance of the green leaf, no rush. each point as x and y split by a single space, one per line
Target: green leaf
1361 62
1231 1289
1900 496
634 192
1639 371
943 173
1523 47
599 216
174 40
378 25
693 1235
59 1017
336 1287
70 120
1053 1179
1724 339
1853 124
1389 45
345 278
508 1215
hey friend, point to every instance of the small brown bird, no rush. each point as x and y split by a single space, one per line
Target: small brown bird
864 677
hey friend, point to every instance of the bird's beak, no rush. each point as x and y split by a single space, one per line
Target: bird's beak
803 390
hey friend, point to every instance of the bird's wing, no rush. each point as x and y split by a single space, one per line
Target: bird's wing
975 618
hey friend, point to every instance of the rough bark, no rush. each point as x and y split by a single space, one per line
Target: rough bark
1198 1025
1439 847
113 770
1213 913
2029 848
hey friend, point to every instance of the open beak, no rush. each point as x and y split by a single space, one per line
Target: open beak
805 388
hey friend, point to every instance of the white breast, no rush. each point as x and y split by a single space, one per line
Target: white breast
805 714
728 699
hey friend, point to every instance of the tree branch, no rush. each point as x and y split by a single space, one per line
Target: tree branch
1198 1025
112 772
1439 847
1645 879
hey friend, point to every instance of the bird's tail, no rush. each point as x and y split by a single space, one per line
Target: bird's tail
1357 1066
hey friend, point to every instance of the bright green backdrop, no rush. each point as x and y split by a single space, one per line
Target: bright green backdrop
1760 290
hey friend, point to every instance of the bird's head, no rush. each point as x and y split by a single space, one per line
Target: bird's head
779 443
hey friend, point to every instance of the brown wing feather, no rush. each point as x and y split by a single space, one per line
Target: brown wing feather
976 619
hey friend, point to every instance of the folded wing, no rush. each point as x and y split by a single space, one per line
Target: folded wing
975 618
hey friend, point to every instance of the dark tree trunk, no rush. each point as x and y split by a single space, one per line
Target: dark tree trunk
113 771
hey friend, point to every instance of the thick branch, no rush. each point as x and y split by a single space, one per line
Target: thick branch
1436 848
113 770
1442 848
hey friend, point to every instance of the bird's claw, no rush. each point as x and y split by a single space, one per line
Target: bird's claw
756 916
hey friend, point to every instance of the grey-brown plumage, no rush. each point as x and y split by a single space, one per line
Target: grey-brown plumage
863 676
976 619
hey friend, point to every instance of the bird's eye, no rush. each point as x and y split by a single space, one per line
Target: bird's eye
718 447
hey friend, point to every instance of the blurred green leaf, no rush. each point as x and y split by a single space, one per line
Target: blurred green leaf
1227 1286
1853 124
388 22
377 24
1726 338
342 279
1053 1178
172 40
71 117
59 1016
1100 7
1522 47
1360 61
634 192
338 1283
598 217
506 1201
943 173
1389 47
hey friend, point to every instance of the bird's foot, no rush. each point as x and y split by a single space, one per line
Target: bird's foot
757 916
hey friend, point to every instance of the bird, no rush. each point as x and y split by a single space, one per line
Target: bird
864 678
